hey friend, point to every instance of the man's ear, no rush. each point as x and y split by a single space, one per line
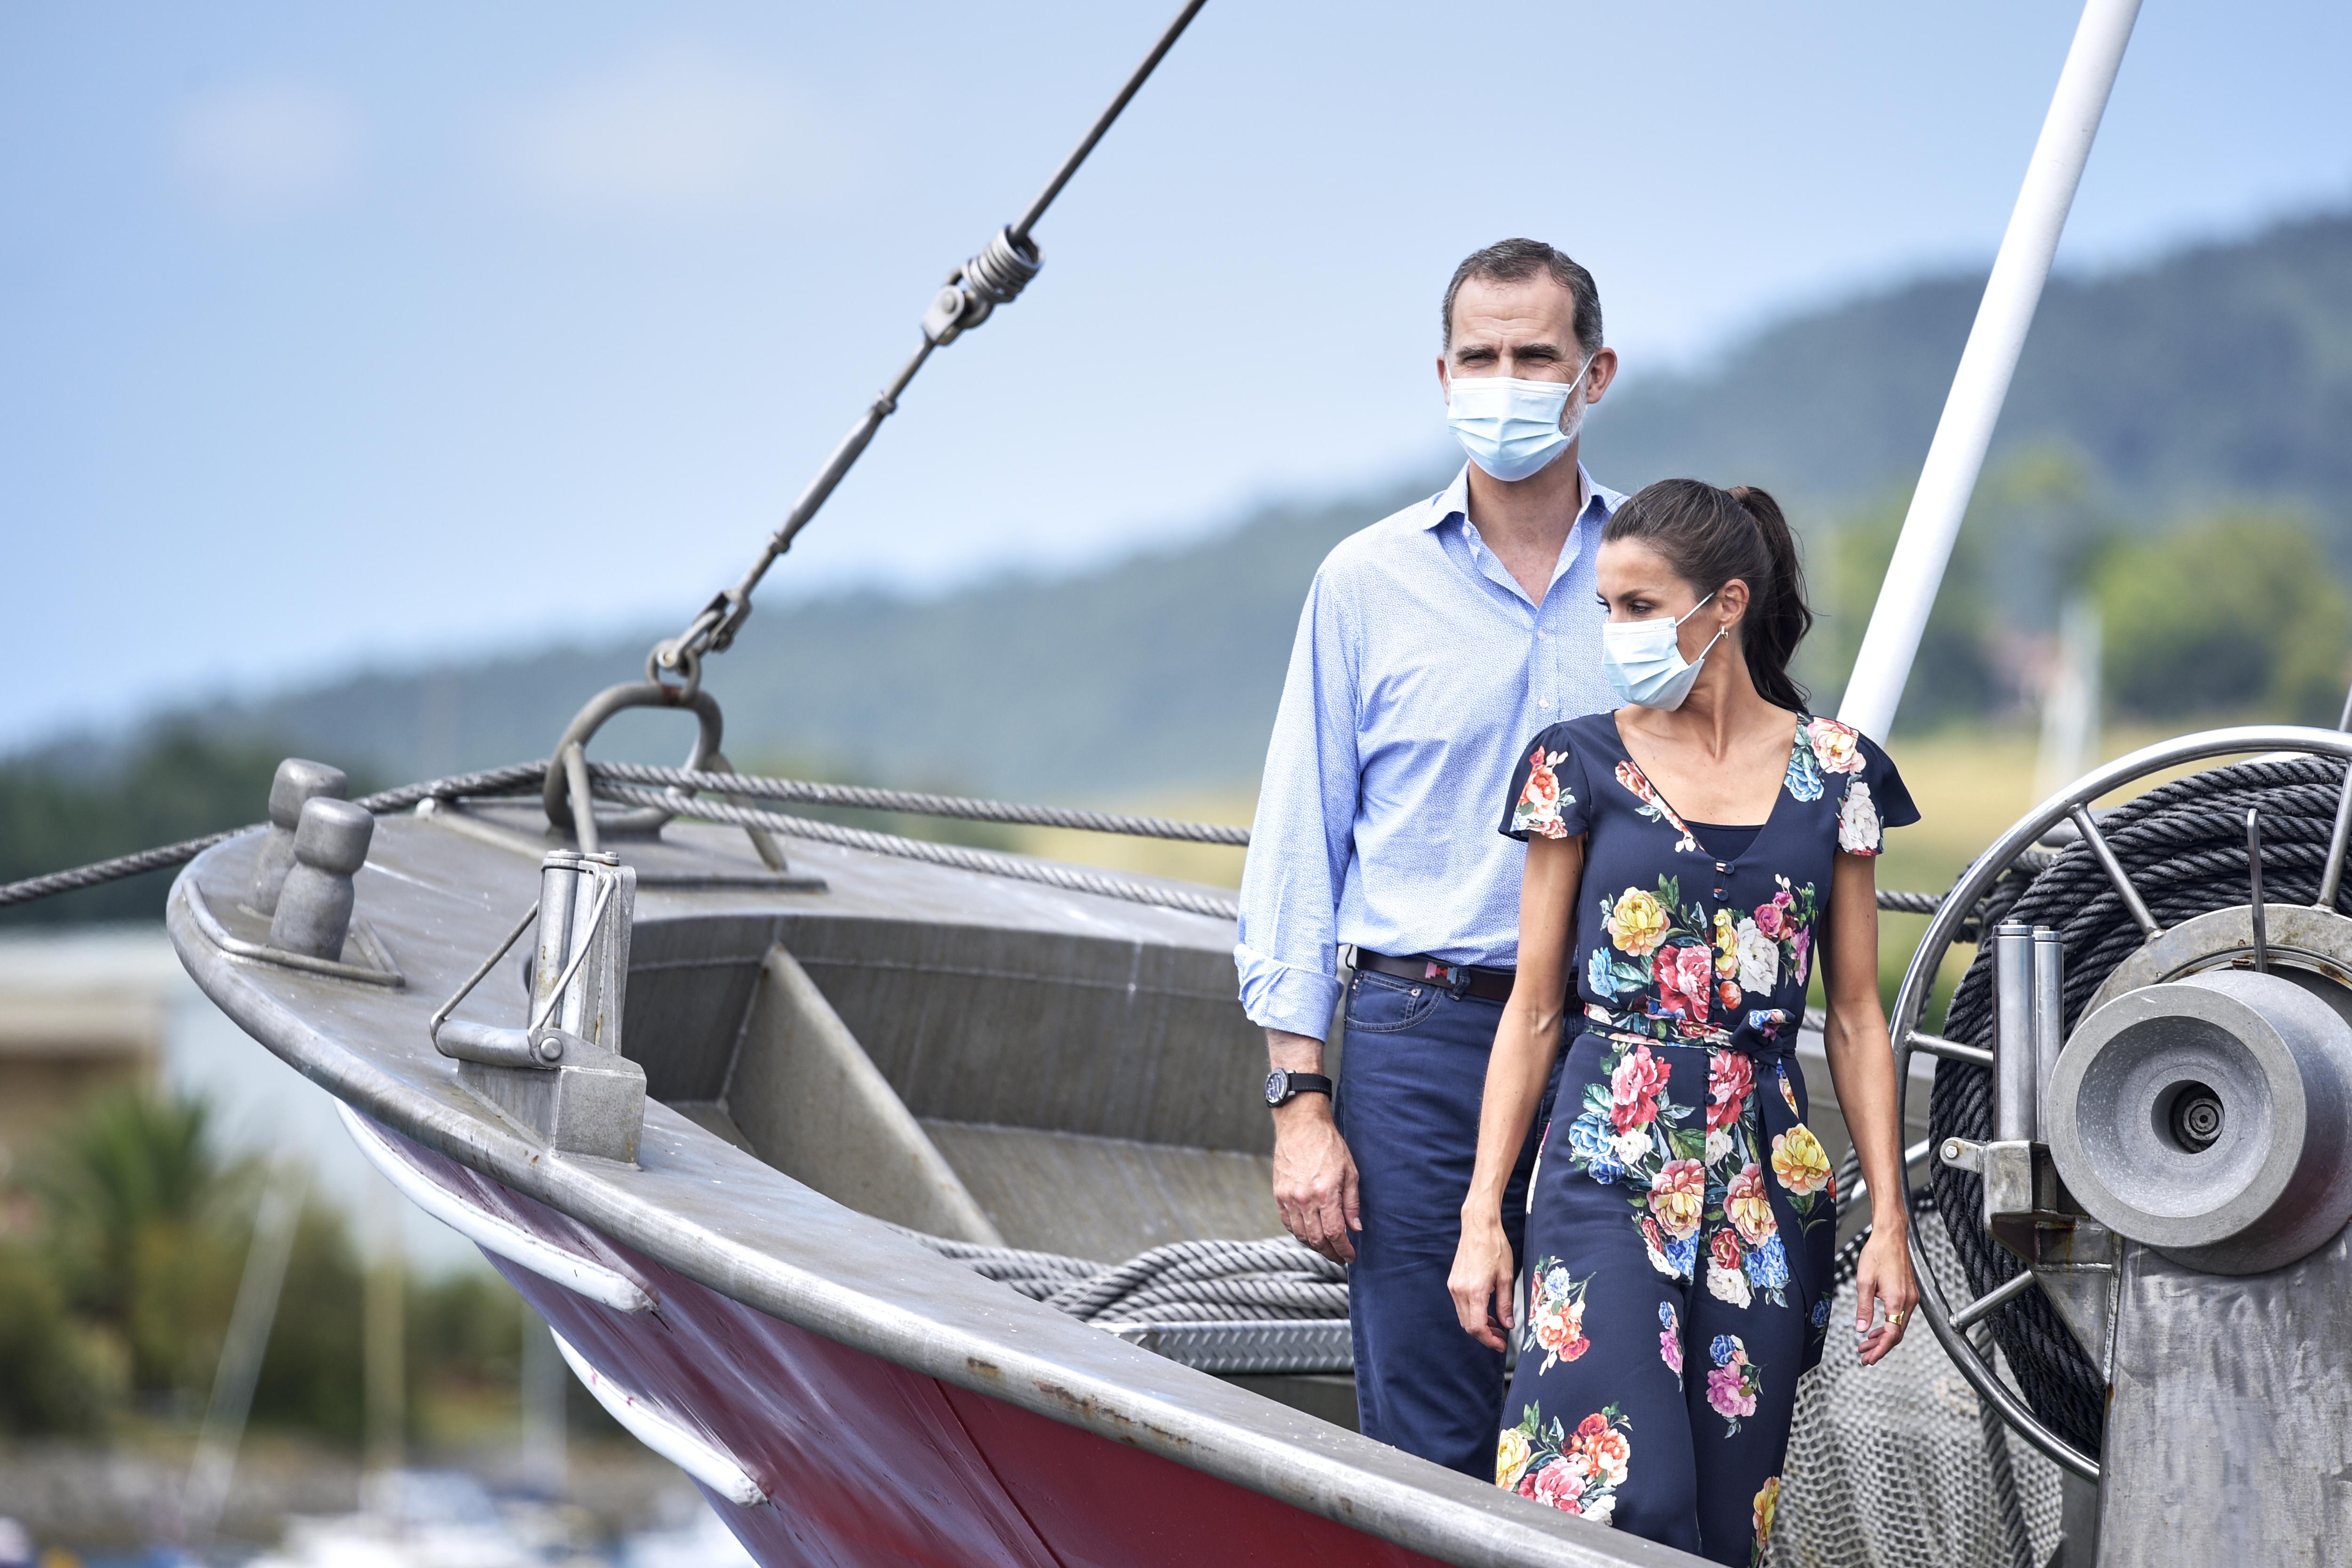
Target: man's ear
1603 372
1444 380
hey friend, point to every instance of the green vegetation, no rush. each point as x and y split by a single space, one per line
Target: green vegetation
65 808
139 1214
2221 612
2217 371
115 1294
2235 608
56 1373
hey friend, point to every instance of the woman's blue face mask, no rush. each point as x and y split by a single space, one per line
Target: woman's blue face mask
1644 660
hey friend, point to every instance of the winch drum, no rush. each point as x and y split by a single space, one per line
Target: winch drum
2207 1117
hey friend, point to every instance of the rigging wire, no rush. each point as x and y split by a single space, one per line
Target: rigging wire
627 782
994 276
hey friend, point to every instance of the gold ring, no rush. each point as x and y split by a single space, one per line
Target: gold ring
1894 1319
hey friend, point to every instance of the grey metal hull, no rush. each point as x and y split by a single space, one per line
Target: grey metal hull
1018 1029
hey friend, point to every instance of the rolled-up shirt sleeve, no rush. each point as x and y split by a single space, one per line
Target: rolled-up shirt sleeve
1304 832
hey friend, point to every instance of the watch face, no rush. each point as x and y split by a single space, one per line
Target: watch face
1276 1082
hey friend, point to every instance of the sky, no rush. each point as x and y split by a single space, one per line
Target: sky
368 334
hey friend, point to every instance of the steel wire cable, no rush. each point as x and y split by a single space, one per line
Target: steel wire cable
490 782
1050 873
994 276
807 792
2184 846
629 781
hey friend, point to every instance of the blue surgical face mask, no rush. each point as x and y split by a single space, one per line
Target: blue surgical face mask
1513 429
1644 660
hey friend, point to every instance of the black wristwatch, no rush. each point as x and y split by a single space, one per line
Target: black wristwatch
1283 1087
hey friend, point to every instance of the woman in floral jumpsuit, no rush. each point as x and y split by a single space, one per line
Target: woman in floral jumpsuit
1682 1219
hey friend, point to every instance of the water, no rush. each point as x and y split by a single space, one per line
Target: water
439 1519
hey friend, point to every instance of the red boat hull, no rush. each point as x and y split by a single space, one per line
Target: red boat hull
866 1462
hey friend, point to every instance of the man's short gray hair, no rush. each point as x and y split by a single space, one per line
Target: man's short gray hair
1515 261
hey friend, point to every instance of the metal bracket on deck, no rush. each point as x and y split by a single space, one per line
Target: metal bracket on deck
561 1073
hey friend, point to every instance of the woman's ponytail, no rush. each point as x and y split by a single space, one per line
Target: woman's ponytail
1710 536
1778 617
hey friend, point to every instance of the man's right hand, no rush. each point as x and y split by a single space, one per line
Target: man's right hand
1315 1177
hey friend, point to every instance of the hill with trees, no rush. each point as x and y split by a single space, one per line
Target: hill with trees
2175 444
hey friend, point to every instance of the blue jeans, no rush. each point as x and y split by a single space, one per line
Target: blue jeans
1412 1073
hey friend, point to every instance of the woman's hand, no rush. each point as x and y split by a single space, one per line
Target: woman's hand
1483 1281
1884 1277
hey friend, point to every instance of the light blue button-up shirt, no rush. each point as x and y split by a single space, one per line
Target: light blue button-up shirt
1421 667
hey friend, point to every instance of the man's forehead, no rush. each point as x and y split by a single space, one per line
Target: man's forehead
1514 308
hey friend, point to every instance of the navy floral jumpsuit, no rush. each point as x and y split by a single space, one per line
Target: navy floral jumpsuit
1682 1217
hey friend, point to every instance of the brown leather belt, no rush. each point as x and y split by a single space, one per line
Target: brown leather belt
1462 979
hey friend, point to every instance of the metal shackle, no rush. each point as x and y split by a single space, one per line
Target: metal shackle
299 781
2209 1118
314 906
556 795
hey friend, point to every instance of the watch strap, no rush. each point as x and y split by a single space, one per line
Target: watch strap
1295 1084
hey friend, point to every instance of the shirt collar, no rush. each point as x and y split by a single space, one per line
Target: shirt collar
1453 501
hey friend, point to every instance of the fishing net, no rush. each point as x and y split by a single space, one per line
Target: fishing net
1897 1465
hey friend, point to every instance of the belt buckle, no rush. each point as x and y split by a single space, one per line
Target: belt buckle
1453 976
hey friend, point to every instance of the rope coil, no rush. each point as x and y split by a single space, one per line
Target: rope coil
1275 1280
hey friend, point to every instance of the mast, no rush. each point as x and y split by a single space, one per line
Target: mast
1957 455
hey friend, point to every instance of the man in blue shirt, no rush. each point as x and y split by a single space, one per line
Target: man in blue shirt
1434 644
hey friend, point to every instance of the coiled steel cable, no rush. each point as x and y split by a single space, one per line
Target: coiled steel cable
2184 846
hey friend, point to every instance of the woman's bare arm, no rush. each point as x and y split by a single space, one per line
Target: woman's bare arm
1526 1042
1862 1065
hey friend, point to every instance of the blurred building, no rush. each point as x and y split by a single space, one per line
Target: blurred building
79 1013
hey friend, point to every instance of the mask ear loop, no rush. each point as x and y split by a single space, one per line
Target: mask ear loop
1721 632
1695 609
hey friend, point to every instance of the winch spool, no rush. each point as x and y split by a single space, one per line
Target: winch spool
2183 849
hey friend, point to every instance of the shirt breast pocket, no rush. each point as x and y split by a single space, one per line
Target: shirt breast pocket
1382 1003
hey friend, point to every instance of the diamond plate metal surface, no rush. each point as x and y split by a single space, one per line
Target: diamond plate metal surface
1317 1345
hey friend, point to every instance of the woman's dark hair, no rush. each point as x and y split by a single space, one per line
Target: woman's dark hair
1710 536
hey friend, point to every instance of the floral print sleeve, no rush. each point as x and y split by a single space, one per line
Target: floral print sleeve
1869 792
1548 798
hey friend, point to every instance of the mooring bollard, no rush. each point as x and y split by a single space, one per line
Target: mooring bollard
299 781
314 905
